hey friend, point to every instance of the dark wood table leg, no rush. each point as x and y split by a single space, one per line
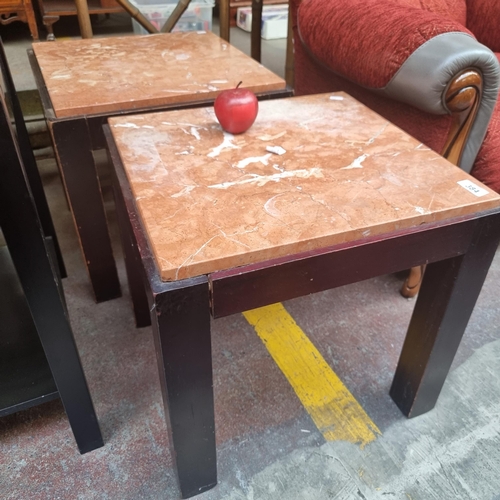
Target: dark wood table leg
180 315
73 146
444 305
64 361
60 349
133 263
135 271
181 329
255 34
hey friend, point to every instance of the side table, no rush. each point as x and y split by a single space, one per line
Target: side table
320 192
83 82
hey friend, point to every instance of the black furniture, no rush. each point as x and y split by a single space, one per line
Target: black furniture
28 159
39 360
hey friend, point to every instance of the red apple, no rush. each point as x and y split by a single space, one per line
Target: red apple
236 109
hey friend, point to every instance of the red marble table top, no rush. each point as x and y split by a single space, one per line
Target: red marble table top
211 201
105 75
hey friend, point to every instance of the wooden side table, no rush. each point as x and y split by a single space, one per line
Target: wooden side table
320 192
83 82
19 10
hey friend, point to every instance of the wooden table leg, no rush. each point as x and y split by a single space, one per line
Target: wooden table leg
181 329
444 305
180 316
224 21
133 262
73 149
64 361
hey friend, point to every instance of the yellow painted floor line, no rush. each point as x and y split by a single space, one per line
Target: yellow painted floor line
332 407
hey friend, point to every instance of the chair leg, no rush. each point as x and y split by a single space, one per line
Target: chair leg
411 286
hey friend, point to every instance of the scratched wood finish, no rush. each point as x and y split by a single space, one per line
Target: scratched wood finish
211 201
110 74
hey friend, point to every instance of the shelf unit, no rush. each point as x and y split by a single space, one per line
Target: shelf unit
25 376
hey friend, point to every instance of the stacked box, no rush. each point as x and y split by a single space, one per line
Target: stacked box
274 20
197 17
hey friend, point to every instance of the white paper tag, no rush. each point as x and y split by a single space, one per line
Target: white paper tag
473 188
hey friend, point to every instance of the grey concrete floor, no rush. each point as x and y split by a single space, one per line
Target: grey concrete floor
268 447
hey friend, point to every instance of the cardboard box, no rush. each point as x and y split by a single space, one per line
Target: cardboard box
274 20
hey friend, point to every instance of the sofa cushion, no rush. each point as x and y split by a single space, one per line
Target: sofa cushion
325 29
483 19
487 165
450 9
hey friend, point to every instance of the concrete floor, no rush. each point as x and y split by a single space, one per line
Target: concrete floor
268 446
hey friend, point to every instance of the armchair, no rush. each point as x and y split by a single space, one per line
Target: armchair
429 66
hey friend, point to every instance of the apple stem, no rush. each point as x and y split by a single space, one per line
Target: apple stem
239 84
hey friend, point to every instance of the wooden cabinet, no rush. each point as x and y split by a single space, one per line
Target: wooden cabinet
19 10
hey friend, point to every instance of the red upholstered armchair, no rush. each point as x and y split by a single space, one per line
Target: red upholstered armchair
429 66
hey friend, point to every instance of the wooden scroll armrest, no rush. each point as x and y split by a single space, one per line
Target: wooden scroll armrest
462 98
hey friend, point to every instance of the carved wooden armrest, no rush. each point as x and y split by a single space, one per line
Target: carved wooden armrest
462 98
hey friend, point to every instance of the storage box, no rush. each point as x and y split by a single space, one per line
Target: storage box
197 17
275 28
274 20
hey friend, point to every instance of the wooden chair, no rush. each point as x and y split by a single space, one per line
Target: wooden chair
30 375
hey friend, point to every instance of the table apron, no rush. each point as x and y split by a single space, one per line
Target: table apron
257 285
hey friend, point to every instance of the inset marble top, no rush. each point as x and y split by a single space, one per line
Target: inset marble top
211 201
104 75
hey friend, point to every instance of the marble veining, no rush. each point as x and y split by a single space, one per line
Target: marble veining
210 200
89 76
